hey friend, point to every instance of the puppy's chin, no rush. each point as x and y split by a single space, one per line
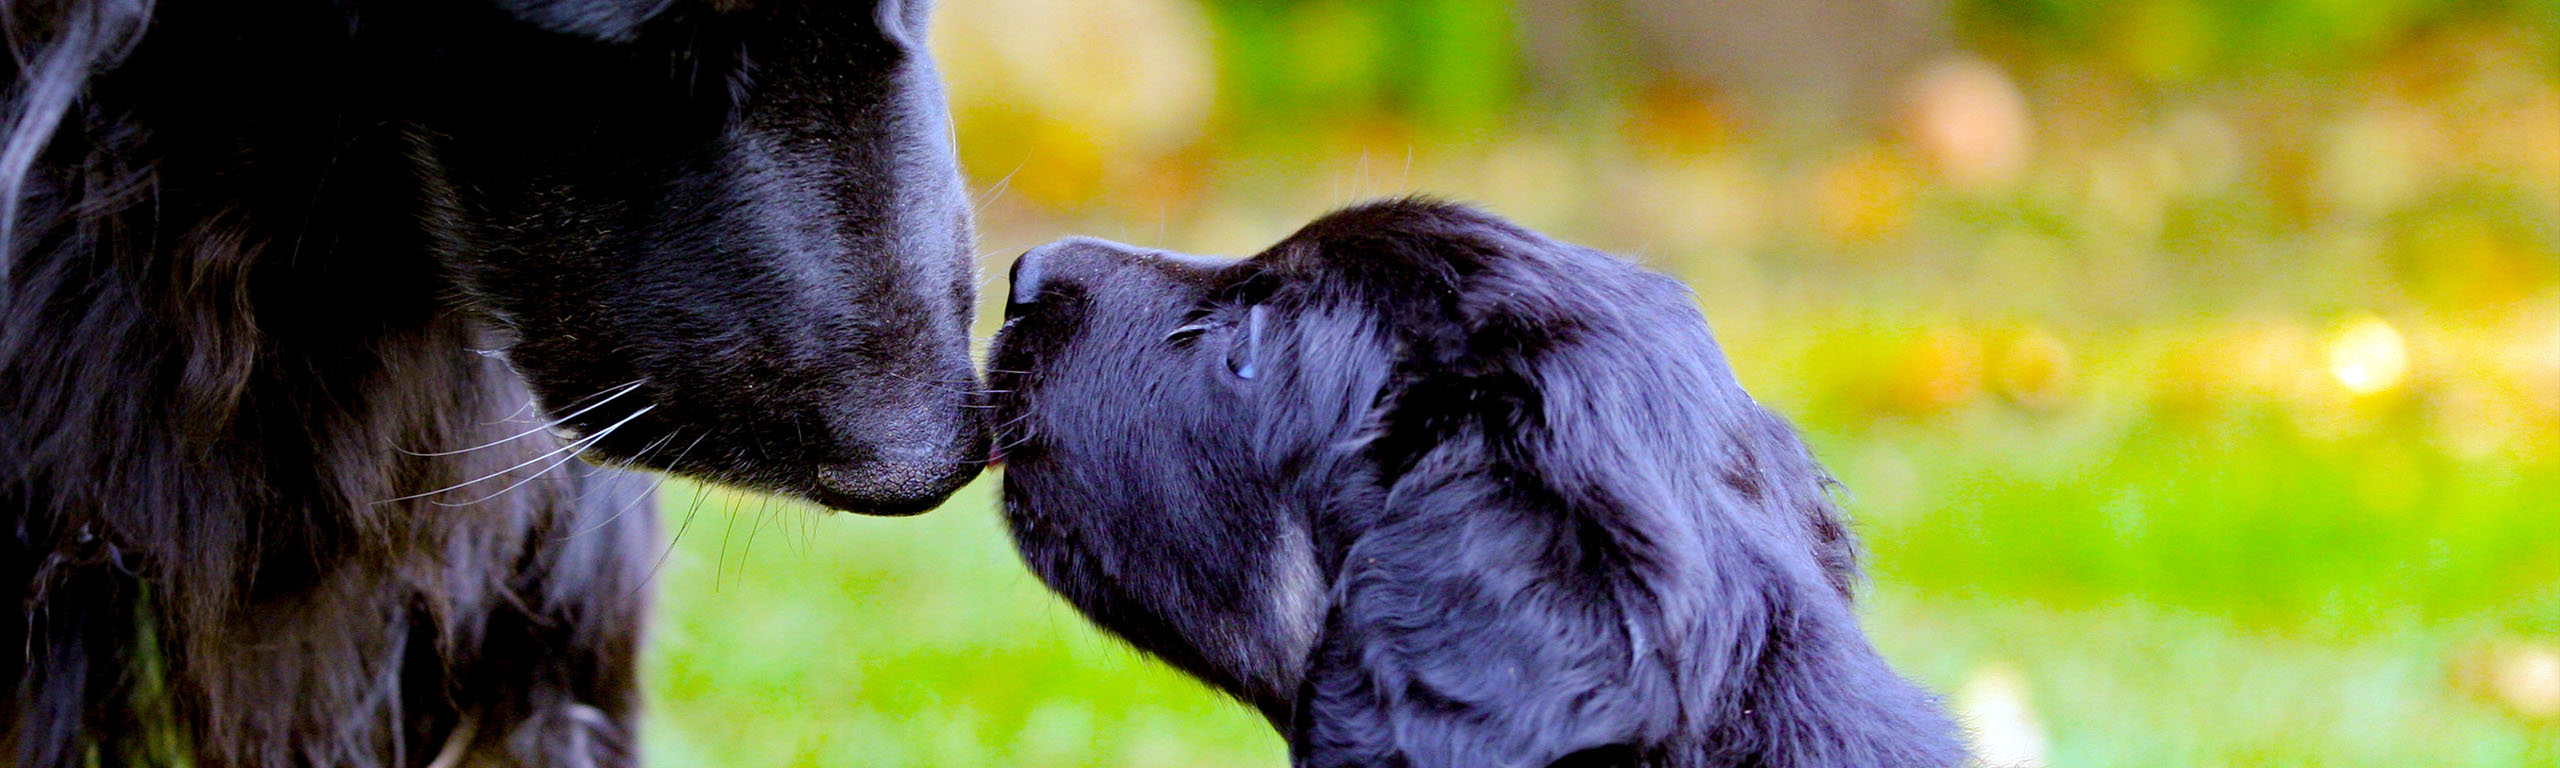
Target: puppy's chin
1253 646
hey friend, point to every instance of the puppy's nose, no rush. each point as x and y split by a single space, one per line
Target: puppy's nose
1057 264
1025 277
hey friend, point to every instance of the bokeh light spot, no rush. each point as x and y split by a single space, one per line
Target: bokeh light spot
2368 356
2004 730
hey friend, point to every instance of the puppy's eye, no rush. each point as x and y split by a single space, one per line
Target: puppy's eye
1244 356
1189 330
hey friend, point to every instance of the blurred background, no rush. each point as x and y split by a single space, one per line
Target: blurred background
2192 366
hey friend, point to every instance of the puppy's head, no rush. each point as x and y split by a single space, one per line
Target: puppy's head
1417 483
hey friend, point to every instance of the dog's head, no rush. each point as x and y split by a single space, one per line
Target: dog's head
734 229
1424 487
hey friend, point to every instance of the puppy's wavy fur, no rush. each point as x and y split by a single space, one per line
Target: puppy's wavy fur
1429 489
296 294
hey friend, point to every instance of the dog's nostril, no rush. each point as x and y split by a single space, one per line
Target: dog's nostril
1025 277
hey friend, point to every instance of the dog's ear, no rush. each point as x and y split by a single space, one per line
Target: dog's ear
1464 635
1501 607
1591 548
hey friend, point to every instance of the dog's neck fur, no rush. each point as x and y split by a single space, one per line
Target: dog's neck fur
212 401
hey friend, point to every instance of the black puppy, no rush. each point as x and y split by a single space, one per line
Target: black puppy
1429 489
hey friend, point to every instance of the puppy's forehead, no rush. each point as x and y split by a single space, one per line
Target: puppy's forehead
1434 270
1402 248
1415 262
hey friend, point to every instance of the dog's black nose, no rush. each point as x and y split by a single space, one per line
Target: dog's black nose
897 481
1025 278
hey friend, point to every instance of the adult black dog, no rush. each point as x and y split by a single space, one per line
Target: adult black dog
299 293
1429 489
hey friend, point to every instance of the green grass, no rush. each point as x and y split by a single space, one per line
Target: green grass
844 641
2173 591
2225 593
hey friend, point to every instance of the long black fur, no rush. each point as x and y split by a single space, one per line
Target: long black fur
1429 489
297 295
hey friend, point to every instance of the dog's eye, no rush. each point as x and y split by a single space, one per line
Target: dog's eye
1244 347
1244 356
1188 331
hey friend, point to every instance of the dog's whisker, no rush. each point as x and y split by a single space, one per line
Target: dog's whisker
531 403
1025 439
637 460
749 549
618 392
590 442
807 536
1017 420
594 467
689 511
946 387
996 191
572 449
653 488
720 567
569 447
512 417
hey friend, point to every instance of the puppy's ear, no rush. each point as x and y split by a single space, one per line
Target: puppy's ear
1500 608
1463 636
1592 549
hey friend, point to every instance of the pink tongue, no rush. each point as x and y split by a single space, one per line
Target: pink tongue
995 457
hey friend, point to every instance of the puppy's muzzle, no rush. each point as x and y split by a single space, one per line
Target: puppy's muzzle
1040 274
1065 262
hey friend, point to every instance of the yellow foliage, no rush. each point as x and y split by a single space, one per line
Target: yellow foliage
2033 369
1863 196
1067 99
1938 371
